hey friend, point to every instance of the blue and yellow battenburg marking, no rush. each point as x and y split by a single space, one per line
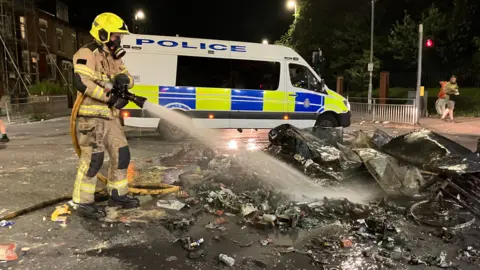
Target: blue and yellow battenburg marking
223 99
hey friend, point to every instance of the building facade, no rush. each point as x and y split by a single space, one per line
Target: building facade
37 46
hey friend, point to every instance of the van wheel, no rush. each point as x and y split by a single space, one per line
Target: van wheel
170 132
326 120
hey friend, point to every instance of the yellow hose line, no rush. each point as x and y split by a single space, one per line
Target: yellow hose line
158 188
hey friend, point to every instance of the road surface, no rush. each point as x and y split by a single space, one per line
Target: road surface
40 164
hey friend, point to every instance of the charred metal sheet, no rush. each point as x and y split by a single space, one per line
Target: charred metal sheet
316 153
361 140
328 135
349 160
433 152
304 143
380 138
394 178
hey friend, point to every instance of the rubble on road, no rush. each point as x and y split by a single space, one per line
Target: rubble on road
469 254
7 252
170 204
226 260
393 177
59 215
325 155
220 183
438 154
6 223
318 155
194 247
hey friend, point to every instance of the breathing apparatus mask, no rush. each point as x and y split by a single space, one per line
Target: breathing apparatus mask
115 47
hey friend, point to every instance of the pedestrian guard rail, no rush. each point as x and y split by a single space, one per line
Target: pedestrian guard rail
395 110
34 108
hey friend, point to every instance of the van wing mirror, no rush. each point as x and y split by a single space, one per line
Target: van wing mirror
322 85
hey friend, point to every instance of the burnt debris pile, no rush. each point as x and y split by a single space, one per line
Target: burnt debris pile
420 162
232 189
324 154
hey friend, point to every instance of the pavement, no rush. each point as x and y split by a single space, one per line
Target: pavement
39 164
461 126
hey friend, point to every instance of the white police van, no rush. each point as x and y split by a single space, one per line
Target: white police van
227 84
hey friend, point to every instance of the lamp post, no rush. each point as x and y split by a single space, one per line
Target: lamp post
139 16
419 75
291 4
370 64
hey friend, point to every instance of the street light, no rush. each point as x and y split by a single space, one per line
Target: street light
139 16
265 41
291 4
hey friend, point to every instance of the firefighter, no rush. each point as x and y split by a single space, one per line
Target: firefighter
99 74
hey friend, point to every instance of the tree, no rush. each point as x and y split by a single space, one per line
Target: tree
460 34
403 38
351 41
340 28
357 72
476 59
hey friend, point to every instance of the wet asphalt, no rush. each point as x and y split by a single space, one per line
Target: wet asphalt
39 164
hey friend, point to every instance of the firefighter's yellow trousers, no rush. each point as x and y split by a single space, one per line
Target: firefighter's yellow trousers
95 136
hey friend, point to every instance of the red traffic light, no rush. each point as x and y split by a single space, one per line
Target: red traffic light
429 43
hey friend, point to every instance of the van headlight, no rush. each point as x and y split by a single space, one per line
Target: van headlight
347 104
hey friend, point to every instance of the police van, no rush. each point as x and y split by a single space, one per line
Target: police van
227 84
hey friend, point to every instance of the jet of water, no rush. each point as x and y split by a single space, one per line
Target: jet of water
273 171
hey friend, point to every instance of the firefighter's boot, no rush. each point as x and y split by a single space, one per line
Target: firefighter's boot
124 201
90 210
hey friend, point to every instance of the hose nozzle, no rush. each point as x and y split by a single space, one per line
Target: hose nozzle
123 92
138 100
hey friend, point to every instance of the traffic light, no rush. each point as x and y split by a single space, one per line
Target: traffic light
429 43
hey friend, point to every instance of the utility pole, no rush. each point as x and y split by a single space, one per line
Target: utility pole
418 110
370 65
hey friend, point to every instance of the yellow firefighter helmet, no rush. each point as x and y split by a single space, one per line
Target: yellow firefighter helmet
105 24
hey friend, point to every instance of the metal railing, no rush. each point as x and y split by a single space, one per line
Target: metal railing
35 108
393 110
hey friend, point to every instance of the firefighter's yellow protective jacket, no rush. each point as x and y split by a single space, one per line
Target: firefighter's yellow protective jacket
94 73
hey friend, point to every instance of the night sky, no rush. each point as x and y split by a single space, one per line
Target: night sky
241 20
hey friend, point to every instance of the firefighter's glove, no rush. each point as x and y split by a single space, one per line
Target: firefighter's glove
121 102
121 80
139 101
113 98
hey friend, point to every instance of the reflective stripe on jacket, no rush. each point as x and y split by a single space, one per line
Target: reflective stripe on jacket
94 69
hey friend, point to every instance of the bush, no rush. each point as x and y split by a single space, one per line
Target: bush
48 88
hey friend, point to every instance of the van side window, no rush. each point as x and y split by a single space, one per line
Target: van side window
251 74
203 72
302 77
227 73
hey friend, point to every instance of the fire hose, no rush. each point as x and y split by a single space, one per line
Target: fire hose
153 189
